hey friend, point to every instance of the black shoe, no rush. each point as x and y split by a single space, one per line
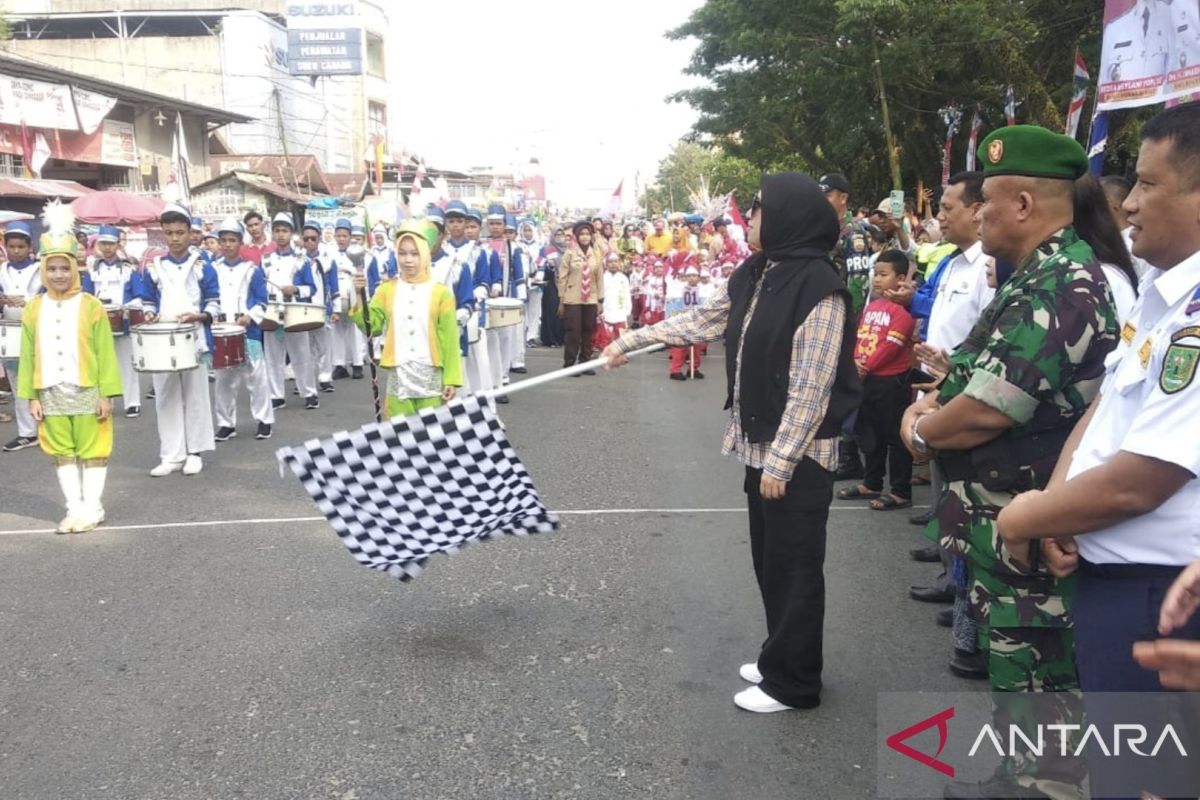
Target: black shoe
264 431
929 554
312 402
698 375
212 377
278 402
519 370
678 376
150 394
20 443
224 434
339 373
502 399
589 372
849 471
930 594
922 519
357 373
945 618
972 666
327 387
993 788
133 411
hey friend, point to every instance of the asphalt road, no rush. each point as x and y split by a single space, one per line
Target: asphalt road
182 654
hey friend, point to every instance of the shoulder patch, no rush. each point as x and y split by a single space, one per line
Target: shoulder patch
1192 332
1179 368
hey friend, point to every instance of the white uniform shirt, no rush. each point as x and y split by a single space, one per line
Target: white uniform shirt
1122 291
962 295
58 340
1149 404
280 270
235 290
618 303
410 322
24 283
109 281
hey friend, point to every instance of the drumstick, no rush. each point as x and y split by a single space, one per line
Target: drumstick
362 298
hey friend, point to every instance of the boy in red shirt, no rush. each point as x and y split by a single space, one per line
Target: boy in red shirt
884 356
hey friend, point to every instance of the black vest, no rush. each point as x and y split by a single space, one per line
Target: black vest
790 291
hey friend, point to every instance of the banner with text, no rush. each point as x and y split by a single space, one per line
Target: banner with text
1150 54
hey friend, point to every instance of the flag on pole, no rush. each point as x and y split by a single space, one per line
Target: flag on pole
1078 97
614 202
179 166
41 154
1098 143
399 491
952 116
1010 106
973 140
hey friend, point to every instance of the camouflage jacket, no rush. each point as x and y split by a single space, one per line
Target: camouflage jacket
852 257
1037 355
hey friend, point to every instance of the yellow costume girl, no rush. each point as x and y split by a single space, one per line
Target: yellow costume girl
68 371
416 317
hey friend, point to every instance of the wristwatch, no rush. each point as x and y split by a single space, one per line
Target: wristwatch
919 444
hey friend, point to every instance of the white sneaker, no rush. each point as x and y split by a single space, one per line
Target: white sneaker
756 700
750 673
165 468
193 465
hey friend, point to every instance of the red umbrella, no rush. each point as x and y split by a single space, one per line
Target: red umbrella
117 208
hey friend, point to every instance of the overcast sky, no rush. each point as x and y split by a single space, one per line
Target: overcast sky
586 98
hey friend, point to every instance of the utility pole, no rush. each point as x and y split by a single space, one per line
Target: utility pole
889 140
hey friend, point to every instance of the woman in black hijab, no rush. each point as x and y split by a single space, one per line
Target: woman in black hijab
789 345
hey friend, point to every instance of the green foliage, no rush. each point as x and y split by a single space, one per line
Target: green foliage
690 164
792 81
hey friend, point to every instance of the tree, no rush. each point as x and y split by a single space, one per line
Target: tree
801 81
690 164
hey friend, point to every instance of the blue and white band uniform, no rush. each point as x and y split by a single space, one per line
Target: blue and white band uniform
114 283
22 280
169 288
243 293
282 269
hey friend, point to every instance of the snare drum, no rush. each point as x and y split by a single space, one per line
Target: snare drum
164 347
10 339
116 319
301 317
504 312
274 316
136 316
229 346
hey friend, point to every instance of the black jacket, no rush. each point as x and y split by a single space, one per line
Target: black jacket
799 229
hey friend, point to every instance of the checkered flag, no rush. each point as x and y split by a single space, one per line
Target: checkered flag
398 491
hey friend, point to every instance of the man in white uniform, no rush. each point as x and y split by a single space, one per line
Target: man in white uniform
114 283
20 281
1121 505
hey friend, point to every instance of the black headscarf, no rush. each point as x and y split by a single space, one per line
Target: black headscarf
797 221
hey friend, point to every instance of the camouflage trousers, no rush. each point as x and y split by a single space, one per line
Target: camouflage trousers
1034 683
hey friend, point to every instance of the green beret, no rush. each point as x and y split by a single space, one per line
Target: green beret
1033 152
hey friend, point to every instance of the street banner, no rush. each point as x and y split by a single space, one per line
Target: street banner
1150 54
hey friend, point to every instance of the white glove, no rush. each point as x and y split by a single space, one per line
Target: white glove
462 315
481 293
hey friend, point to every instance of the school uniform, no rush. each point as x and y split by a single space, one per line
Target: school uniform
289 269
22 280
243 292
114 283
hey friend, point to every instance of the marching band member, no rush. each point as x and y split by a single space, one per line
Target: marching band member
243 299
422 360
530 249
507 282
114 283
288 278
68 373
346 336
461 246
181 287
325 279
20 282
513 345
382 265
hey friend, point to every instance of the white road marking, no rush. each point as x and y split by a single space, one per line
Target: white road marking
218 523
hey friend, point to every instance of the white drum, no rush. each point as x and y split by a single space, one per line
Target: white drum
504 312
274 316
10 339
164 347
301 317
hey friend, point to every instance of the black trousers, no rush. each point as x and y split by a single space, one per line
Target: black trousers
581 326
883 404
787 543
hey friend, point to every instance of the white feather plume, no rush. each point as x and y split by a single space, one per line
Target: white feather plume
709 206
58 218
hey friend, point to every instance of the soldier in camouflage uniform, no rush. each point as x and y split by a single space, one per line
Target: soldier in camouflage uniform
1017 385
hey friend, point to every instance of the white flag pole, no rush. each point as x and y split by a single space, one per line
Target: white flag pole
578 369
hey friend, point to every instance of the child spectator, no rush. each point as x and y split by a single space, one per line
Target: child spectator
684 296
884 356
618 303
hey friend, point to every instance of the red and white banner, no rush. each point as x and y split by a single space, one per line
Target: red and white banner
37 104
1151 53
92 108
113 144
